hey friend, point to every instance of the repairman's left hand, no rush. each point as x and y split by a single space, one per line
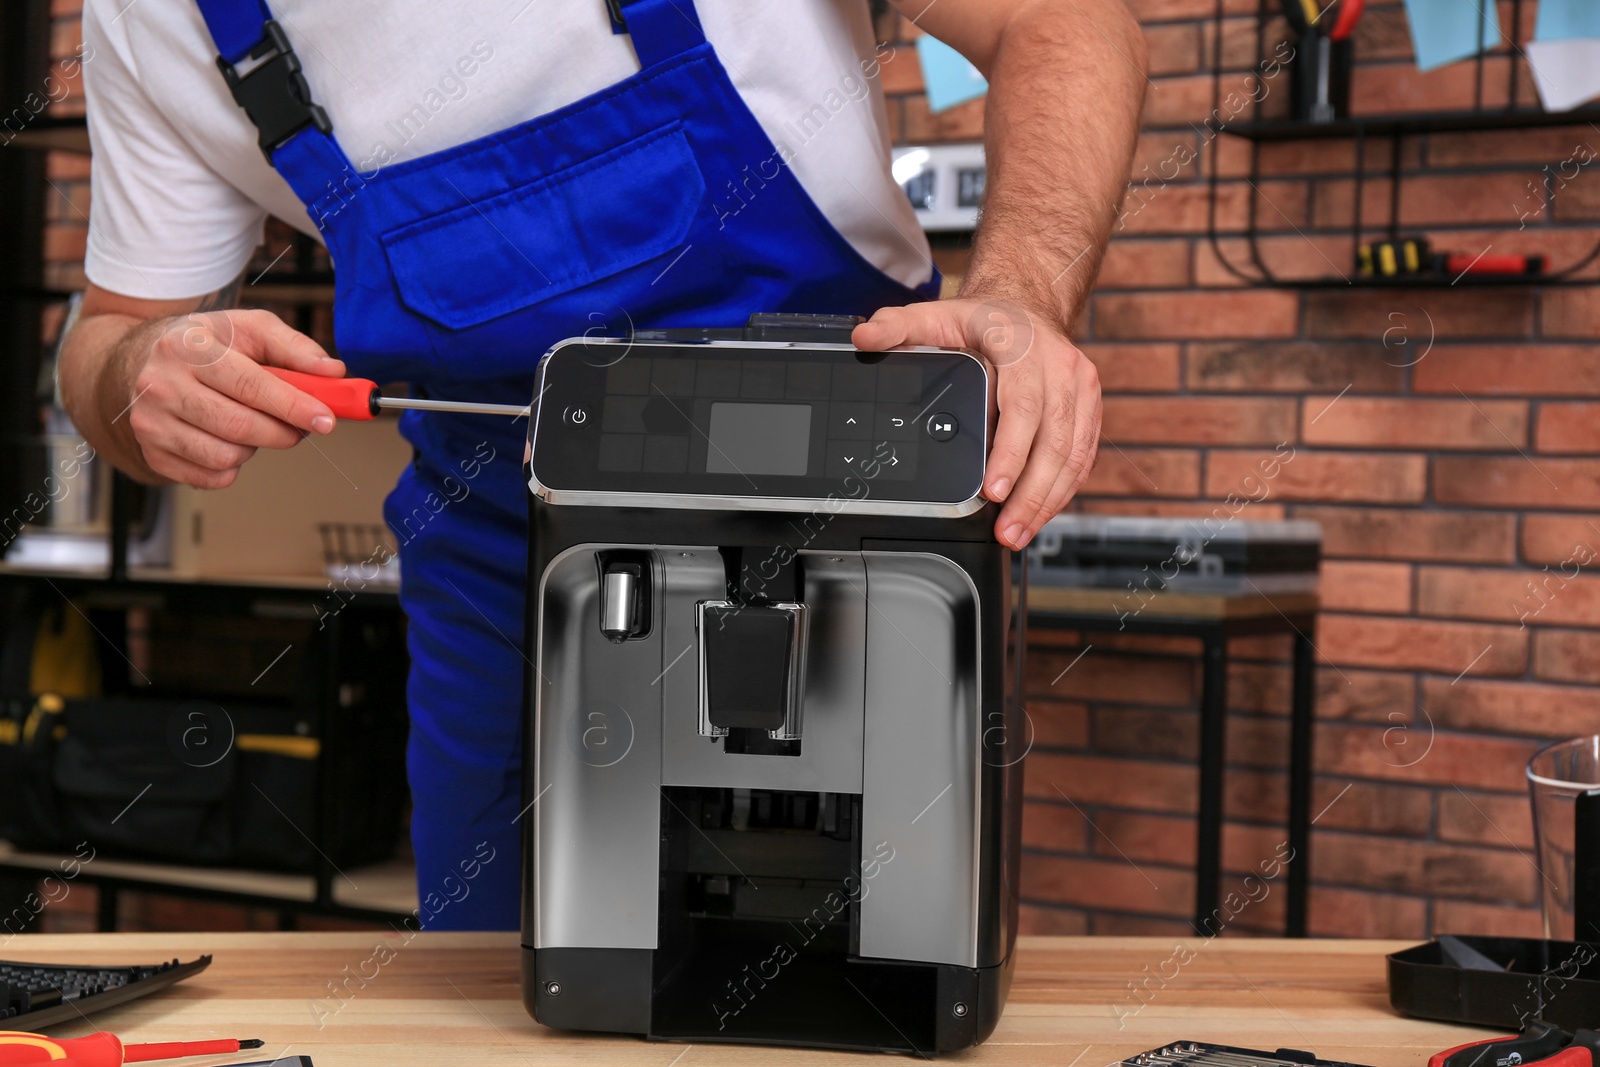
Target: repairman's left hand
1047 390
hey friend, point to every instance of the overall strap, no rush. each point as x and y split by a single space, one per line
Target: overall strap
662 30
263 73
236 26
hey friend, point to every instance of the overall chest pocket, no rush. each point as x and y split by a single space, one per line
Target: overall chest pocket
556 234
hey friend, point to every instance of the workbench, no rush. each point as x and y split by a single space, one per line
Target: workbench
445 999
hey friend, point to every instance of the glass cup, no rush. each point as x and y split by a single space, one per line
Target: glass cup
1557 775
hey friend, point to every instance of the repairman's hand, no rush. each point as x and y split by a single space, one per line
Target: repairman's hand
174 390
1048 394
199 403
183 397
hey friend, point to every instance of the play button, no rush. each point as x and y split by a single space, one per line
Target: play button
941 426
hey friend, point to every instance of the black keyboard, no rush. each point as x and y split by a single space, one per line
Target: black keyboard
36 995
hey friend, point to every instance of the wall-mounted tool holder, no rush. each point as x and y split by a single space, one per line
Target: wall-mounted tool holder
1389 150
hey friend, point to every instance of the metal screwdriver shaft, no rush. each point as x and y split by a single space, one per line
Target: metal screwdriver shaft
448 405
360 399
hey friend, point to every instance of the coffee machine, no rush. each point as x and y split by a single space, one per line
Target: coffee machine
774 740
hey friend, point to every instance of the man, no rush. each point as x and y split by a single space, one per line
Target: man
495 175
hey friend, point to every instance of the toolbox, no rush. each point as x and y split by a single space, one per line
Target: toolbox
1203 555
1498 981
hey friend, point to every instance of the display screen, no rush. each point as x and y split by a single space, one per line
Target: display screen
759 439
736 420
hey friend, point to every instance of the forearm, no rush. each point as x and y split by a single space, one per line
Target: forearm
1067 80
1066 83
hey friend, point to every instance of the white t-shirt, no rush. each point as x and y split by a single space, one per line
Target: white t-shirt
180 188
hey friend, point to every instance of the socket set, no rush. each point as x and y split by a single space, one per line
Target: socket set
1200 1054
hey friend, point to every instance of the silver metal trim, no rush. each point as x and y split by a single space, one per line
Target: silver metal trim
706 728
656 342
846 505
794 702
797 672
972 504
618 604
553 774
971 946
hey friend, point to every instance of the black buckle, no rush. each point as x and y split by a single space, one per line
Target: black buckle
274 94
619 23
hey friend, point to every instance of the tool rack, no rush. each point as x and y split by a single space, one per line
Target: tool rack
1503 98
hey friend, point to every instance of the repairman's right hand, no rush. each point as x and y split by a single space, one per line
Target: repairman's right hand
174 390
200 405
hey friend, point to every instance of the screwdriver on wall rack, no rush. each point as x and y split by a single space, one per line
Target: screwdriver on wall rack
360 399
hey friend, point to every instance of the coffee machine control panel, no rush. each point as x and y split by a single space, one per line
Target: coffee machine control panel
763 425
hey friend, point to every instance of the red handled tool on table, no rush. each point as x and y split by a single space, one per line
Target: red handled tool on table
361 399
1538 1045
104 1050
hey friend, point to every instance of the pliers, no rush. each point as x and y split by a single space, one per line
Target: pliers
1307 17
1538 1043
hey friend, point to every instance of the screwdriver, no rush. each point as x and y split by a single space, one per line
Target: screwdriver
361 399
105 1049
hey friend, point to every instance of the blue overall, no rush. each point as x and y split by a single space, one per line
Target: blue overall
659 201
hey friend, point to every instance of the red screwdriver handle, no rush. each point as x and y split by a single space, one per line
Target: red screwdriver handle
1539 1043
104 1050
95 1050
349 398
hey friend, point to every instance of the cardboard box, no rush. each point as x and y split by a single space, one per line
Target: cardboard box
267 523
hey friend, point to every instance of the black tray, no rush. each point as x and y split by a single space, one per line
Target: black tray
1498 981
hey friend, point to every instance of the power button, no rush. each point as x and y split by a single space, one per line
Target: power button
575 415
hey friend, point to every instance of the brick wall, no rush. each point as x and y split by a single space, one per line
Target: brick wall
67 202
1447 477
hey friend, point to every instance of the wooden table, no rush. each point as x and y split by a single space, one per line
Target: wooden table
448 999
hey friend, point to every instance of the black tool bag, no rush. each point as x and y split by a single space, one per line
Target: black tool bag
254 731
187 781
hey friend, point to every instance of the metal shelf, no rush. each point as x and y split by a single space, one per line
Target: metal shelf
48 133
1470 281
1405 125
1363 130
